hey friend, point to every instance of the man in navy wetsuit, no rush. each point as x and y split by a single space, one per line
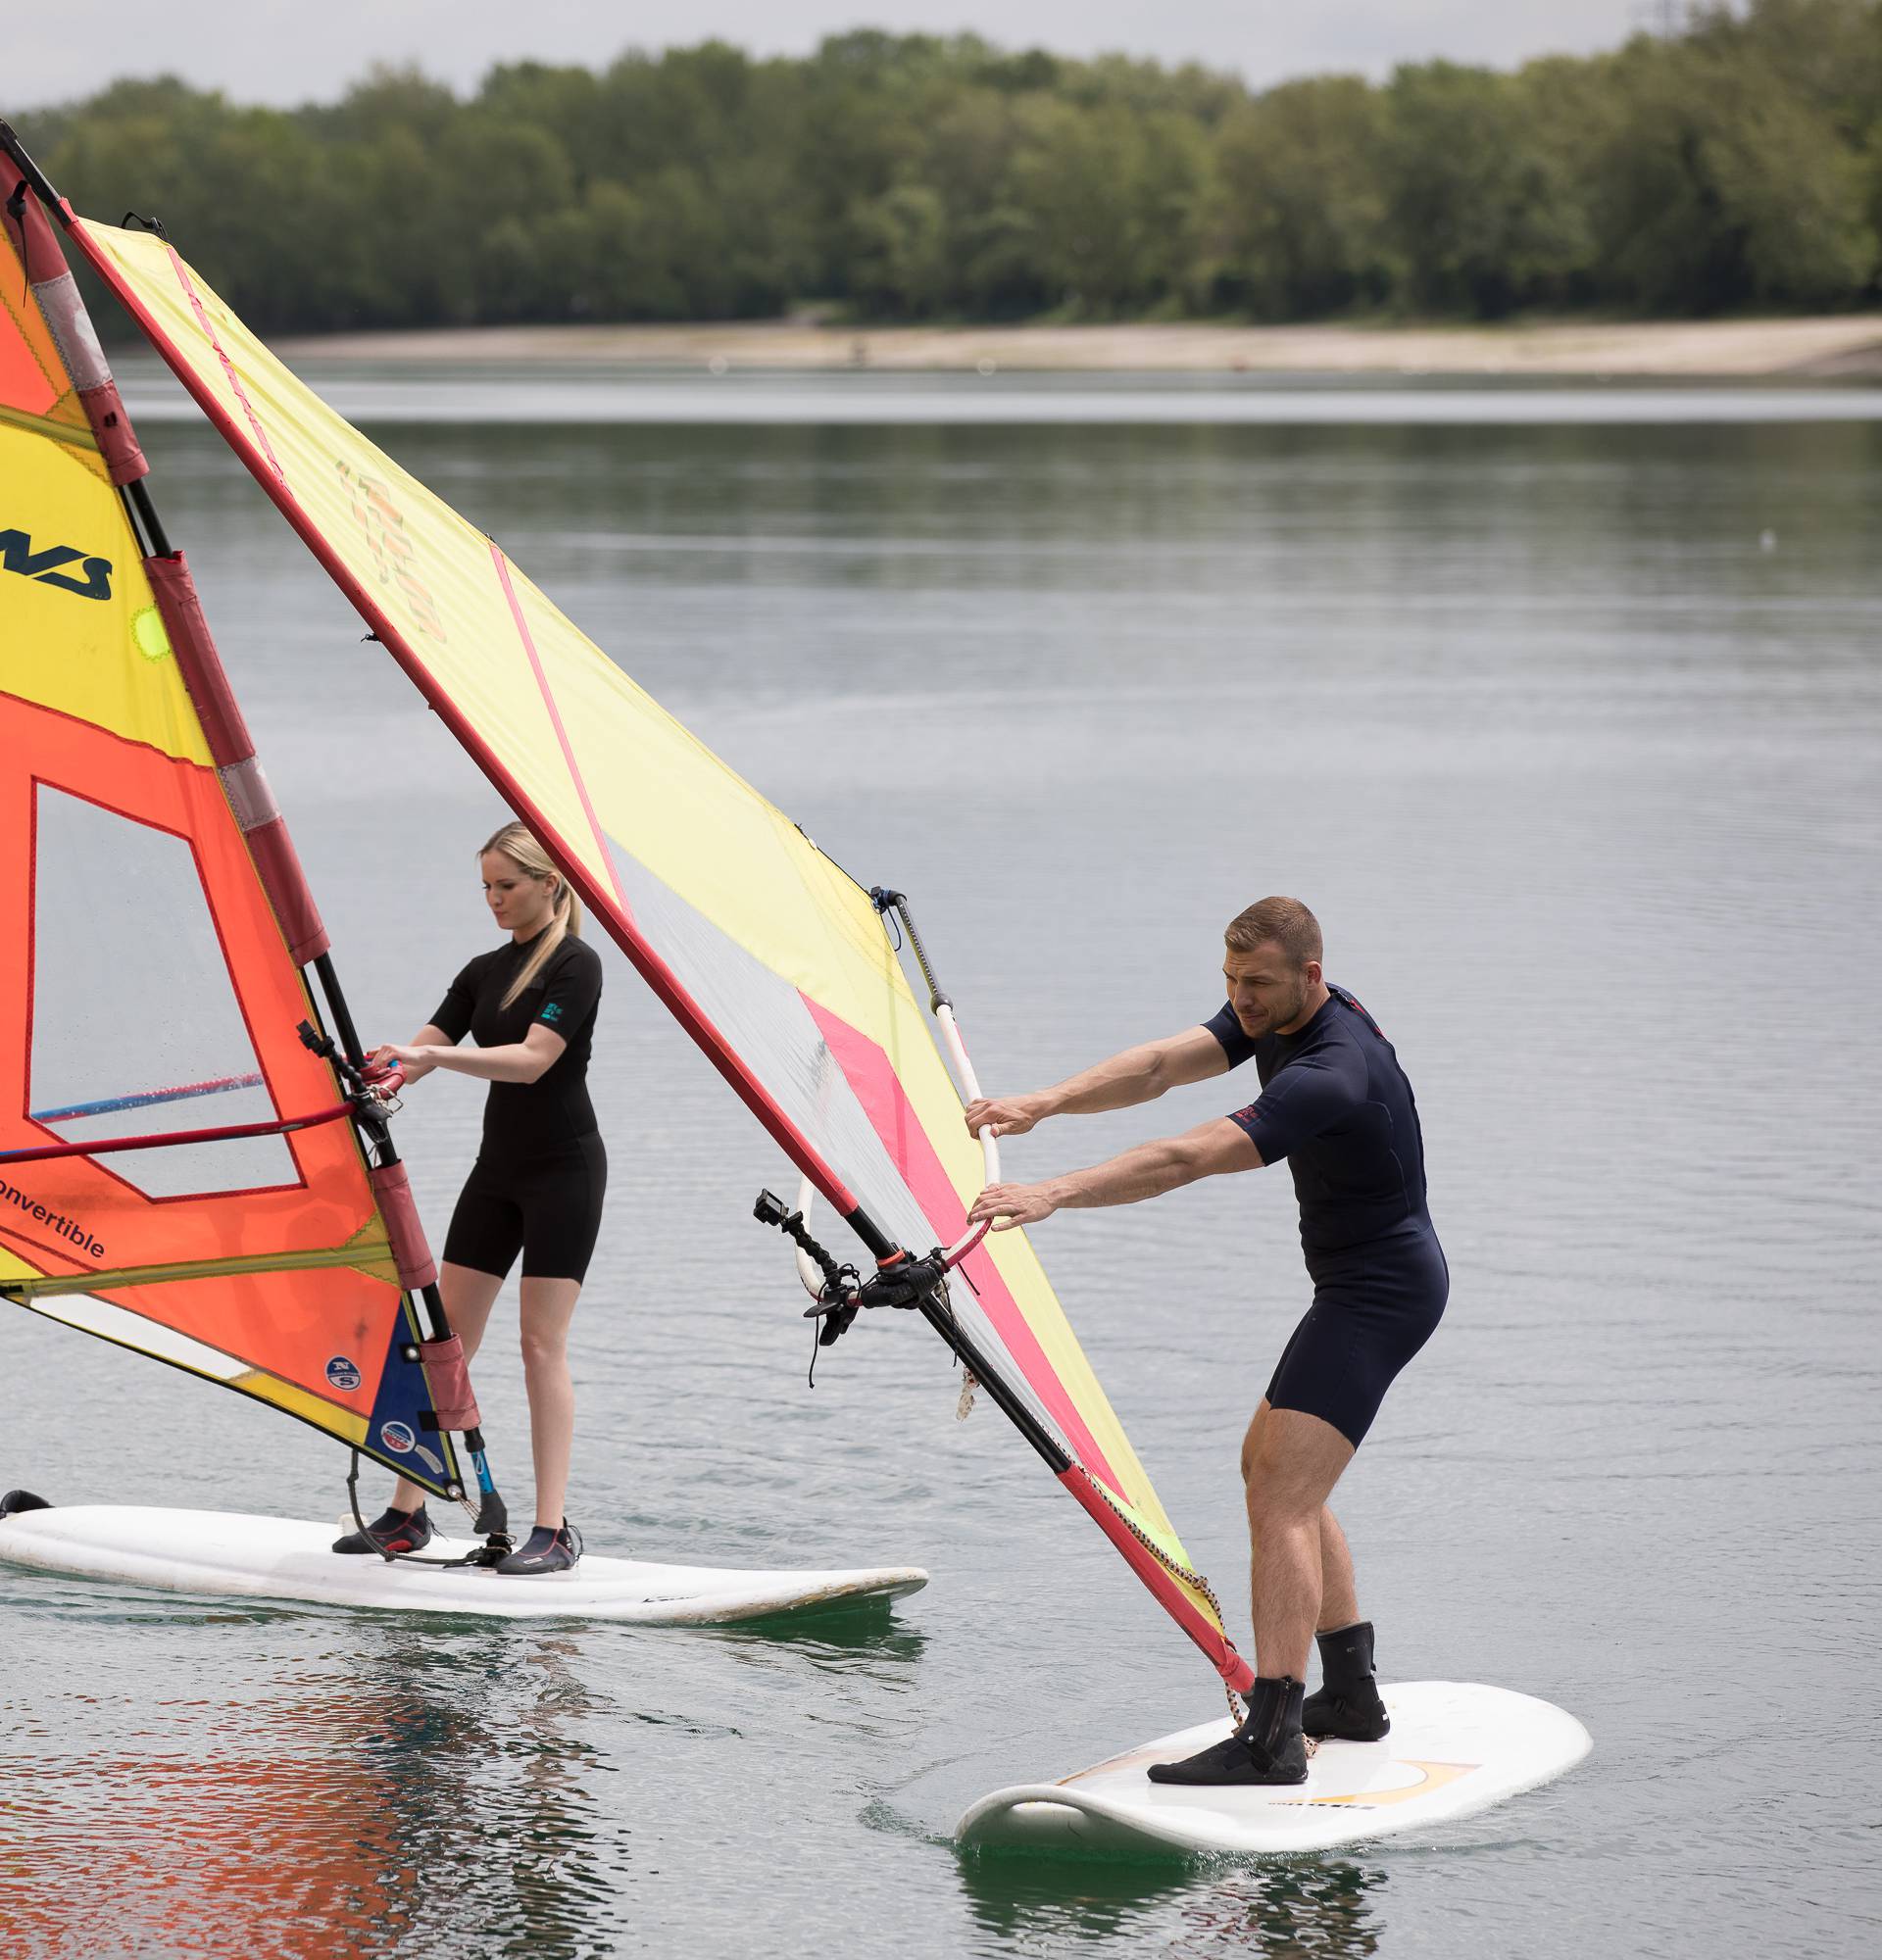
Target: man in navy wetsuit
1335 1103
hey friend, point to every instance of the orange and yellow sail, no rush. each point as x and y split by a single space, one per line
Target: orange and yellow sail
146 987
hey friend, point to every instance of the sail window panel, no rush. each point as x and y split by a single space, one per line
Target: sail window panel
136 1027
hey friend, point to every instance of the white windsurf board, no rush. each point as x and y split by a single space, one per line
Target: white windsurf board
226 1553
1455 1748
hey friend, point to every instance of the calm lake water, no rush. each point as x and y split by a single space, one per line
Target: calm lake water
1564 717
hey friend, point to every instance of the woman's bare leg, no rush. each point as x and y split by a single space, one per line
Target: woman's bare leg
548 1306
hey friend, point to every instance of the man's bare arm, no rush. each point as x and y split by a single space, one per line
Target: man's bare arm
1136 1075
1147 1171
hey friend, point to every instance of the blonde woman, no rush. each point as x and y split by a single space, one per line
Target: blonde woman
537 1185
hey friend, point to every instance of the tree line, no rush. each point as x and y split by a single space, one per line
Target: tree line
1733 164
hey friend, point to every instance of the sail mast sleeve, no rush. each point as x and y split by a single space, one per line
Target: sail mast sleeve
64 308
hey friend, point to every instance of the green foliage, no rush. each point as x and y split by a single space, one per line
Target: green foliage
1719 185
1299 204
1735 164
1478 208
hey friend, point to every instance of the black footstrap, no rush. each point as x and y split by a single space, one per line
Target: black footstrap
353 1500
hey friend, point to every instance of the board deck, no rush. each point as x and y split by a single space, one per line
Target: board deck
226 1553
1455 1748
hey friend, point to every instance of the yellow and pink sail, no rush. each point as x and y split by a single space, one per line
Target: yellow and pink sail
774 959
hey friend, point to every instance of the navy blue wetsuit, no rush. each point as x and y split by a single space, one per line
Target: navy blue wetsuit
541 1171
1335 1103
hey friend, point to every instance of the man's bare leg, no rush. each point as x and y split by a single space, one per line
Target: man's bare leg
1339 1599
1292 1461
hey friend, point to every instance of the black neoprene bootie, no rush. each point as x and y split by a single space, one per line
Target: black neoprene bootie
545 1550
391 1531
1347 1709
1266 1749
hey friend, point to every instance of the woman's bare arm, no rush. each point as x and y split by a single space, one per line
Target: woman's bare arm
526 1061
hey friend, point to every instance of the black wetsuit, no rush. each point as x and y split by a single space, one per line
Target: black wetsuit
1335 1103
541 1171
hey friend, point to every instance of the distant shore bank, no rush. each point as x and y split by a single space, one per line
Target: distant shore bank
1842 346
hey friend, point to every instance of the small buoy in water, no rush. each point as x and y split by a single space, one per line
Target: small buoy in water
718 364
1767 541
986 367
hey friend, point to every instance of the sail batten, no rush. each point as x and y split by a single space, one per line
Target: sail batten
258 1265
140 1099
772 958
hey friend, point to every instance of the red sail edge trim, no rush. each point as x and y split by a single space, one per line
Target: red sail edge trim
648 963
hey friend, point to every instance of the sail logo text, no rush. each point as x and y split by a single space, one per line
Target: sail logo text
383 524
66 1228
44 565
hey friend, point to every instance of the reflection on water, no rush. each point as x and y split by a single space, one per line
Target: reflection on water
1294 1910
1034 1904
388 1796
1283 1909
489 1817
866 1646
382 1786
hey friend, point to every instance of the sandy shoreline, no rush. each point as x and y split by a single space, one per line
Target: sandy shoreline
1838 346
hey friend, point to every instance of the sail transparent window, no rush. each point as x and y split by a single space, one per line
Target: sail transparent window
136 1029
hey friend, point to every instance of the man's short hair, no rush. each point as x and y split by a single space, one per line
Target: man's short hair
1285 921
